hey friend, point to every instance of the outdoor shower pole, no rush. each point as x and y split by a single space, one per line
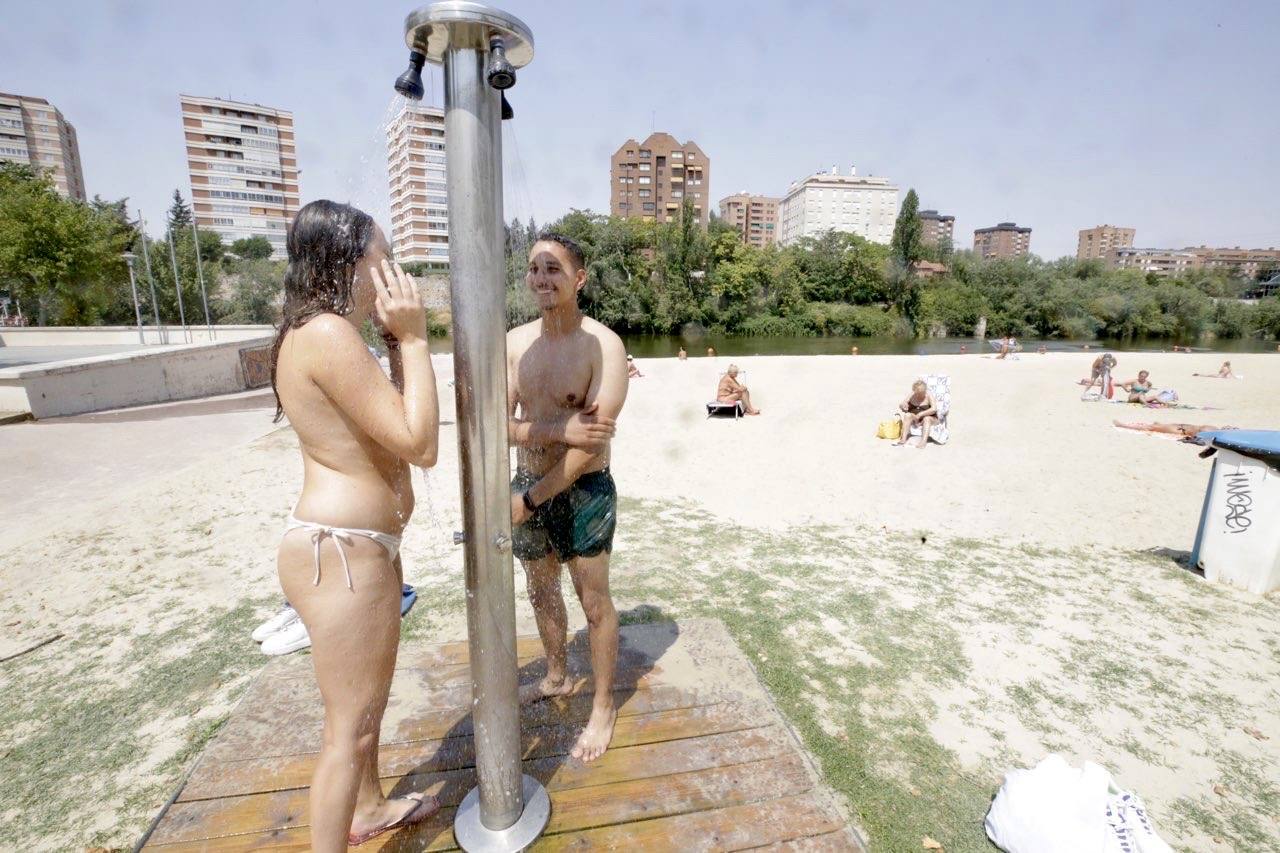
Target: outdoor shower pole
480 47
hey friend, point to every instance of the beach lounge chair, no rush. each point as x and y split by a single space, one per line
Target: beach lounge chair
717 409
940 387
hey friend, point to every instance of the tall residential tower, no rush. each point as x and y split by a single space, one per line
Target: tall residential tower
34 133
419 197
244 169
755 217
652 179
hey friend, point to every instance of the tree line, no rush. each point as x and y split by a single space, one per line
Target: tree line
63 261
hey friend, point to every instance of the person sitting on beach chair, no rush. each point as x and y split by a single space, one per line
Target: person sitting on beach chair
730 390
1224 372
918 408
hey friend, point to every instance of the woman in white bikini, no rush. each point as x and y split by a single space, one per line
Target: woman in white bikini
359 432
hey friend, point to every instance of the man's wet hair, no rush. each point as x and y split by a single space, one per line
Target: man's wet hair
574 250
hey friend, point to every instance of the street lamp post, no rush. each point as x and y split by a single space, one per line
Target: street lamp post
177 287
204 297
129 258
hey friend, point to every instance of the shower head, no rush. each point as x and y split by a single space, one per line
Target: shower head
499 72
409 83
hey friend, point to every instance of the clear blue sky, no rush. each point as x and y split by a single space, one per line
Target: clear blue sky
1162 115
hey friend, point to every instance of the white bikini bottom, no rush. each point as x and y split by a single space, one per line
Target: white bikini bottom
340 535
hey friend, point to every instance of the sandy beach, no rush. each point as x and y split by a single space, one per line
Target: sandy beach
925 619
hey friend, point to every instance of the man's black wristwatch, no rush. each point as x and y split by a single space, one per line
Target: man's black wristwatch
528 501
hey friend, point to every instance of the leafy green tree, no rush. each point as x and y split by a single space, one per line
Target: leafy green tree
253 292
906 246
60 255
254 248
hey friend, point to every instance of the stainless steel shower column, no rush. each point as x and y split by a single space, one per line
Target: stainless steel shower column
507 810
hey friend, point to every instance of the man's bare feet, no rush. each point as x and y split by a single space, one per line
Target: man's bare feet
595 738
545 688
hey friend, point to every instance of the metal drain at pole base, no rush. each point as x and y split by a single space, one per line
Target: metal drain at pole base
473 837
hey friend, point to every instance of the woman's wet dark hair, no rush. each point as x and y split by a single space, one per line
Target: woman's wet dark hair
325 241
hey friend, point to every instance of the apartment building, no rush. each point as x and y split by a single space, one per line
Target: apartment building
1005 240
755 217
419 195
1162 262
1097 243
243 167
652 179
1253 264
936 229
34 133
828 201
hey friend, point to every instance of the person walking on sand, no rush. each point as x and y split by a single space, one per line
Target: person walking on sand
919 407
730 390
359 431
566 384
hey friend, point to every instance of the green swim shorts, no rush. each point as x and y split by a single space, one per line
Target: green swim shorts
578 522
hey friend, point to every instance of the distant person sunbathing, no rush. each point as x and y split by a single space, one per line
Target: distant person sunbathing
1140 389
918 408
1224 372
1184 430
633 372
731 390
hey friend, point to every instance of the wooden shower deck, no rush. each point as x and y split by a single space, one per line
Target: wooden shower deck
700 759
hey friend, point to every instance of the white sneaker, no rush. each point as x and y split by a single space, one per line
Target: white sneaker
289 639
281 620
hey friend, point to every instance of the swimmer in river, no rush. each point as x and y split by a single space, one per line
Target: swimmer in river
566 383
359 432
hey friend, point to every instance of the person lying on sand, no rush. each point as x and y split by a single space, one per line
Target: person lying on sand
1140 389
730 390
1224 372
1184 430
919 407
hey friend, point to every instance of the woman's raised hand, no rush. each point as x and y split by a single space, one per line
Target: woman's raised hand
398 307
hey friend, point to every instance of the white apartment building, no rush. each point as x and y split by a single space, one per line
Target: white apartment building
244 169
419 195
829 201
34 133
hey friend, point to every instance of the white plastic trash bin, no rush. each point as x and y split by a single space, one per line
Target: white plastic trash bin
1239 537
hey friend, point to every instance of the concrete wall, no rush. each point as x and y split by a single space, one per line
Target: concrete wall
53 336
128 379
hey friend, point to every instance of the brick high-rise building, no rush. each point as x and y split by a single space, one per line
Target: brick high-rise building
1097 243
244 169
936 229
419 194
652 179
34 133
1162 262
1005 240
755 217
828 201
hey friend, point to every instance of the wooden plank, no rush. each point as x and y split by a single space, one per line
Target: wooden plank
218 779
575 809
192 820
841 841
734 828
271 725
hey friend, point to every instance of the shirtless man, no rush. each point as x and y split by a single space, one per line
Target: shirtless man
730 390
566 383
